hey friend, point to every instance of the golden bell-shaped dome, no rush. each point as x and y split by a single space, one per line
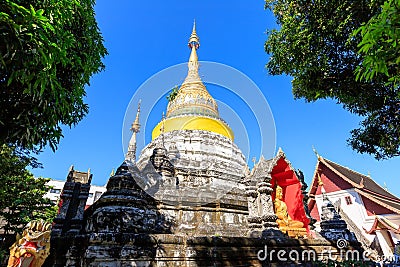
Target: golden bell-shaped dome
193 108
193 97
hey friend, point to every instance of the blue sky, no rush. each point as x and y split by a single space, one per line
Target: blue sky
146 37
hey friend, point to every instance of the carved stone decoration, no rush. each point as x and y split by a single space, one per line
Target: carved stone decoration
122 214
125 207
32 248
268 216
196 150
161 163
254 218
261 209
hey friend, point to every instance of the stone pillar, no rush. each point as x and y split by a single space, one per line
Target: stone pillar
76 221
254 219
270 226
267 206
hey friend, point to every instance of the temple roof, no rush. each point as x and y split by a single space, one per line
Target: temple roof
362 184
382 223
267 167
369 185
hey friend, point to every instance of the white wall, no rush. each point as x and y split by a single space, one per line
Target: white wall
54 194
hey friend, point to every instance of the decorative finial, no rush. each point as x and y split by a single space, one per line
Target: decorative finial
136 125
362 182
112 172
316 153
135 128
385 186
319 180
194 40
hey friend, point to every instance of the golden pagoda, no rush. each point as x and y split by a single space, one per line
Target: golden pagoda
193 108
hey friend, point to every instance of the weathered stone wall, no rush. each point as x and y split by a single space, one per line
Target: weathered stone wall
120 250
192 151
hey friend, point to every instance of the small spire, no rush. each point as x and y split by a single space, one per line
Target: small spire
193 64
316 153
135 128
112 172
194 40
136 125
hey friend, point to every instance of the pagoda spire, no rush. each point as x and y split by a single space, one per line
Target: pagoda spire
192 107
192 97
193 64
135 128
194 40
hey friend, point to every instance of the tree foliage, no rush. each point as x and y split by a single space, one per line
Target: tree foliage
21 195
330 48
49 49
173 93
380 46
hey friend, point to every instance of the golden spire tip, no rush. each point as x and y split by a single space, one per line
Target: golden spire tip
194 40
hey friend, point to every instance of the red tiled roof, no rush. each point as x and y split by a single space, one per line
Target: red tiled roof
369 184
362 184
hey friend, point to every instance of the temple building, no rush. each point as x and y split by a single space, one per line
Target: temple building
190 199
369 210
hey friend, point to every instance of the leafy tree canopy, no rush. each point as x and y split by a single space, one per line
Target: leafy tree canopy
49 49
21 195
380 46
348 51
